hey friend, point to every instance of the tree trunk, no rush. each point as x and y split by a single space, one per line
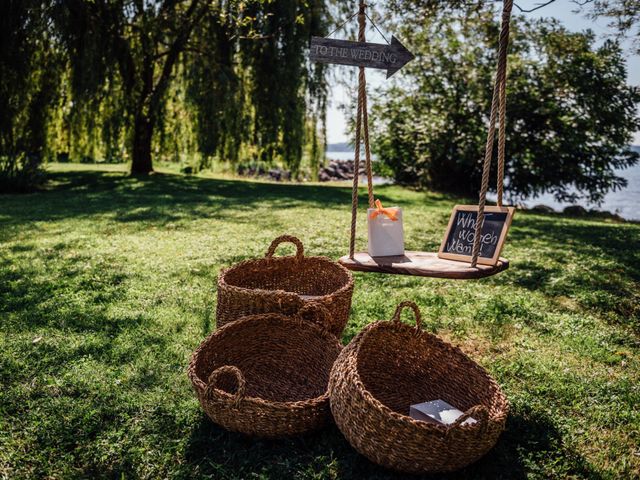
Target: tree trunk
142 135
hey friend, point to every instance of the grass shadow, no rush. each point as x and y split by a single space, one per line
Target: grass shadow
528 437
620 242
164 198
606 280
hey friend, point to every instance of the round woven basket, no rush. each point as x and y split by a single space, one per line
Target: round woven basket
266 375
284 285
390 366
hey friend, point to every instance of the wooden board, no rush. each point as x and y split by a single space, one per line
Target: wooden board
371 55
423 264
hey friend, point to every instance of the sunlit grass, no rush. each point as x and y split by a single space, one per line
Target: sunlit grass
107 284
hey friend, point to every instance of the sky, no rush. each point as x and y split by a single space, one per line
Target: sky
563 10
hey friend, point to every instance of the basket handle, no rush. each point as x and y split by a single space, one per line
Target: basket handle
479 412
286 239
213 378
412 306
320 315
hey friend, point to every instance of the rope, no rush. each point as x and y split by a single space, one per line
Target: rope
341 25
376 27
356 170
498 100
362 92
361 117
501 138
367 149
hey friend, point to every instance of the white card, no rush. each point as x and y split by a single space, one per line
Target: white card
438 411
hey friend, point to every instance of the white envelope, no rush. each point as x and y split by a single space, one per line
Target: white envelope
438 411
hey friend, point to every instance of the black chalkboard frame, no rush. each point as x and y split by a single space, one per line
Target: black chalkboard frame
510 211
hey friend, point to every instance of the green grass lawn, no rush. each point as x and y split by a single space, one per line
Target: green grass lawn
107 284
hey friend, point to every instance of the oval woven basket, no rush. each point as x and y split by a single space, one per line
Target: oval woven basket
388 367
284 285
267 375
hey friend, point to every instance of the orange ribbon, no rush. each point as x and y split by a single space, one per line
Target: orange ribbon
389 212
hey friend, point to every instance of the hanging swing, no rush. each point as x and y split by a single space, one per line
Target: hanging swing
429 264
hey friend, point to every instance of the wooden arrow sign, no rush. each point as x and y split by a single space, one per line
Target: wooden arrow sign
372 55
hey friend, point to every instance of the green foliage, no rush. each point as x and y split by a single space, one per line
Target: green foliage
623 15
253 91
570 114
210 81
29 72
20 173
107 285
216 87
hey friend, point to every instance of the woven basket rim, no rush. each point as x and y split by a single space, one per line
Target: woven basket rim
406 420
261 291
200 385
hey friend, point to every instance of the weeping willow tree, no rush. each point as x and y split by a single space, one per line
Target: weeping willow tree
126 50
215 85
255 94
224 79
30 69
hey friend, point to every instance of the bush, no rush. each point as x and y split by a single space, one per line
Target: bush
21 173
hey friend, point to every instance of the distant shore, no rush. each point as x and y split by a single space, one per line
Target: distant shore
625 202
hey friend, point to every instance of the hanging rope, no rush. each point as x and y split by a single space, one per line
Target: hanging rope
498 106
502 115
367 149
376 27
362 92
341 25
362 119
356 171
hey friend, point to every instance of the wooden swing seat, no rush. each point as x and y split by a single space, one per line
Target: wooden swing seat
423 264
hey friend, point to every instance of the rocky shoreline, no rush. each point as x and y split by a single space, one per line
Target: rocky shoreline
335 170
578 211
340 170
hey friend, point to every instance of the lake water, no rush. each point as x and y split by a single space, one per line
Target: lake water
346 156
625 202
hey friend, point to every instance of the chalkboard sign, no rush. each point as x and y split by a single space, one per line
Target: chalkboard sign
458 240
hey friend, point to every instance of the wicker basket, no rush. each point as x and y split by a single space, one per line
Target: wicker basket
390 366
266 375
284 285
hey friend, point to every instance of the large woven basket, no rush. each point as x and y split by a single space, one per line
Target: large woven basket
266 375
284 285
390 366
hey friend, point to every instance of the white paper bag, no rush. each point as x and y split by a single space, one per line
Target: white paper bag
386 237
